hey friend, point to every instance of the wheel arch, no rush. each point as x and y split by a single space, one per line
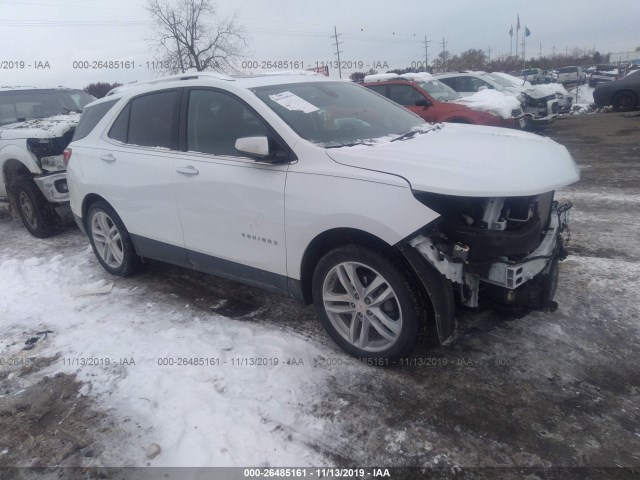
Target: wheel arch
89 200
329 240
13 169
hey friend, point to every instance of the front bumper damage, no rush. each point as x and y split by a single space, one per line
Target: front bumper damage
54 187
526 283
541 112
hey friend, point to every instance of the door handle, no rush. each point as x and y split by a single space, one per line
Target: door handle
109 158
190 170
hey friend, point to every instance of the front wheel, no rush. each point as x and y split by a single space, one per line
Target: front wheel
110 240
36 213
367 303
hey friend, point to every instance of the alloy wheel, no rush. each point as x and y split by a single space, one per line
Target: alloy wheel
362 306
107 239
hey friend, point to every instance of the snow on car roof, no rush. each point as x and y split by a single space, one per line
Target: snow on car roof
409 77
417 77
381 77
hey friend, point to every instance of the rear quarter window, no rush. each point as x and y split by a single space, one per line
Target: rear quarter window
148 121
90 118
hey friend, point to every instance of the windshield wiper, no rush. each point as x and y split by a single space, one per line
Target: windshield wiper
352 144
406 135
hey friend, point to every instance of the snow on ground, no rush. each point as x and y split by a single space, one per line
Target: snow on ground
223 411
491 101
582 99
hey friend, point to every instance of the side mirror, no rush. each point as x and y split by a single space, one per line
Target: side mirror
423 102
483 87
258 149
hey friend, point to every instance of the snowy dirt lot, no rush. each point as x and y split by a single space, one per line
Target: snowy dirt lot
174 368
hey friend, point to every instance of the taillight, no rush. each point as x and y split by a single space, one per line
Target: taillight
66 156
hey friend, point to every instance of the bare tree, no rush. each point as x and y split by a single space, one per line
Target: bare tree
190 35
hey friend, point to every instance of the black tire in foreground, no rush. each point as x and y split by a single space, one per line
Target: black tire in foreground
624 101
368 303
110 240
36 213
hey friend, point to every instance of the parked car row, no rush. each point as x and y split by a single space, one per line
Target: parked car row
540 103
435 101
322 190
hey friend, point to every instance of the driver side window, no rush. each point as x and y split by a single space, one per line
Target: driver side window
405 95
216 120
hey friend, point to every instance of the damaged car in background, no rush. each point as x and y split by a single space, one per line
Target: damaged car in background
540 103
327 192
434 101
36 125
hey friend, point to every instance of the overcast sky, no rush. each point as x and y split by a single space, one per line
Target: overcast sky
377 33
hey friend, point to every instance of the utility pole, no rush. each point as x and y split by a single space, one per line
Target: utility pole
566 51
338 51
540 50
489 54
554 51
444 54
426 53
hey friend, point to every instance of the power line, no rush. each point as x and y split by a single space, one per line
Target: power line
338 51
444 54
426 52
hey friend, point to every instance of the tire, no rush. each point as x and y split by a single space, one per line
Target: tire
385 328
36 213
624 101
110 240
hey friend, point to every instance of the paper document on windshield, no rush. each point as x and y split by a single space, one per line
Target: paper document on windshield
291 101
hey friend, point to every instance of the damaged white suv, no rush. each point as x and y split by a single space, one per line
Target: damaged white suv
325 191
36 124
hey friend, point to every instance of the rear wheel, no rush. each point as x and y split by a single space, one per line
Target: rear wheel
36 213
624 101
110 240
367 303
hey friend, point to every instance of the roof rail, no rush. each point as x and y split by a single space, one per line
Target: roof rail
173 78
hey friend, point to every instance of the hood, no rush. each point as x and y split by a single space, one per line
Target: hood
50 127
469 160
491 101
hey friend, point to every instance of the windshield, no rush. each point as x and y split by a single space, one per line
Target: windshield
501 80
335 114
21 105
439 91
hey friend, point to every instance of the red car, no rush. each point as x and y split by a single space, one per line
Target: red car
432 100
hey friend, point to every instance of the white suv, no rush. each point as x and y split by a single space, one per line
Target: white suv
326 191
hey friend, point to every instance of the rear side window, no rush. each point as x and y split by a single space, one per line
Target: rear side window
90 118
404 94
378 89
148 121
